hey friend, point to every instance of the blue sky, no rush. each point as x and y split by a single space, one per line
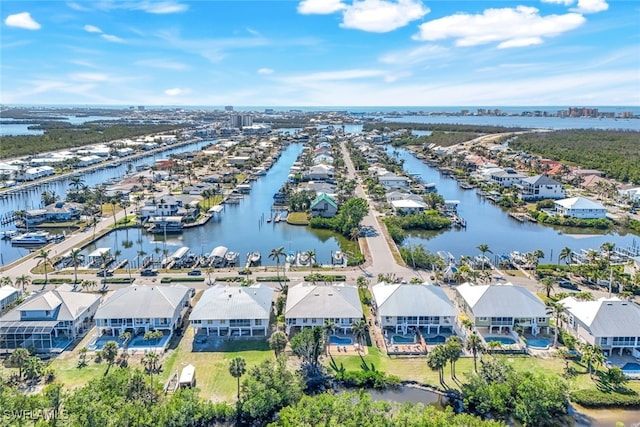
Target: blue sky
321 53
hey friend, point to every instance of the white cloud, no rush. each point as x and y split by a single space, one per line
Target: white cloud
22 20
509 27
382 16
176 91
78 7
89 77
562 2
521 42
112 38
591 6
265 71
163 64
161 7
92 29
320 7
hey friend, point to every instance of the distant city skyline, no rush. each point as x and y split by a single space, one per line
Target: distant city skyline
317 53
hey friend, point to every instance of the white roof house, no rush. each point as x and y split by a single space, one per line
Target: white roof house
232 310
608 322
418 306
140 308
48 321
501 306
580 207
311 304
8 295
408 205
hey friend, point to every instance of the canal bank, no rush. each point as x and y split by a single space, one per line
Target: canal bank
489 224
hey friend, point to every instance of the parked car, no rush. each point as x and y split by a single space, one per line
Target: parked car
194 272
567 284
244 271
105 273
149 272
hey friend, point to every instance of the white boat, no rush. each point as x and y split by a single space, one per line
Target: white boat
231 258
291 257
338 257
304 259
8 234
31 239
254 257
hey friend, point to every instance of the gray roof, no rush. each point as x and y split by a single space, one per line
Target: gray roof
412 300
501 300
138 301
606 317
323 301
232 302
540 180
69 304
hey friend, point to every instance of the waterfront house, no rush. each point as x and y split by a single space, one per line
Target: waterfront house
501 307
540 187
391 180
227 311
506 177
33 217
632 193
8 295
580 207
31 174
408 206
139 308
49 321
310 304
399 307
322 158
608 322
321 172
324 206
165 206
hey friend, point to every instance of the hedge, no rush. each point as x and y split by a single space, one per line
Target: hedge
182 279
592 398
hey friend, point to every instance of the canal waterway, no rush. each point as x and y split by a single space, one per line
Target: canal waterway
30 198
489 224
240 227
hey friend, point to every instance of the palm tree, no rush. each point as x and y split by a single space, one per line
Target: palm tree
278 342
555 309
275 255
453 349
437 360
6 281
150 361
18 358
109 352
484 249
548 284
329 327
475 346
237 368
76 182
312 258
23 281
566 254
43 255
76 259
591 355
359 330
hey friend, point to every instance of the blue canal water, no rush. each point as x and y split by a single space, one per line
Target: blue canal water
241 227
491 225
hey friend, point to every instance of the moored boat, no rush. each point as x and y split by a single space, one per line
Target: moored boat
31 239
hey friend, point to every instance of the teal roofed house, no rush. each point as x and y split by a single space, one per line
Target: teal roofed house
324 206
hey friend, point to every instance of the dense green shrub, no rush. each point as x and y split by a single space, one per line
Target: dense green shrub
593 398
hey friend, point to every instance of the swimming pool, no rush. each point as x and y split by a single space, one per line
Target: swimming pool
439 339
401 339
334 339
542 343
631 368
501 340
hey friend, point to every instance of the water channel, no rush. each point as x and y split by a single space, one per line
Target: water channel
241 227
491 225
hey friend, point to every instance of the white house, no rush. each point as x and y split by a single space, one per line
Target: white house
139 309
309 305
580 207
164 206
425 307
501 307
48 321
227 311
506 177
408 206
321 172
632 193
540 187
608 322
391 180
8 295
